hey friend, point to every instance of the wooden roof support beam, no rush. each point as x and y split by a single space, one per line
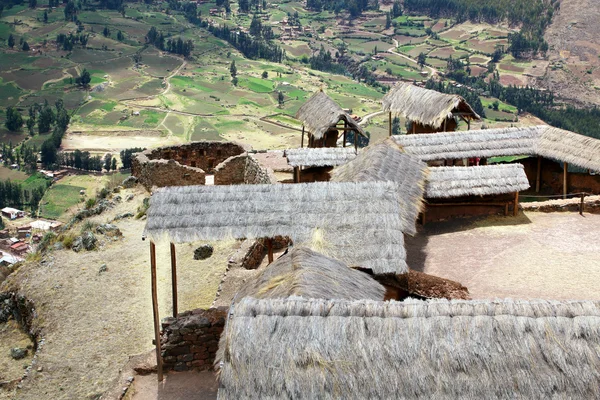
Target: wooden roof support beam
565 173
159 366
538 174
174 279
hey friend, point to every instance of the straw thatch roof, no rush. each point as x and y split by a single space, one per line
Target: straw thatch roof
446 182
424 106
540 140
320 157
439 349
386 161
306 273
357 223
320 113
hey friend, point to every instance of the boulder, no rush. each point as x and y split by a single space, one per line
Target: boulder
86 241
103 268
108 229
123 216
129 197
130 182
18 353
203 252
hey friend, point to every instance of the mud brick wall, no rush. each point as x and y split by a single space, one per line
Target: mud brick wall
191 340
241 169
165 173
203 155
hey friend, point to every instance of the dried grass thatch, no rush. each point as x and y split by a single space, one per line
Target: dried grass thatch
540 140
357 223
320 157
446 182
387 162
320 113
305 273
424 106
438 349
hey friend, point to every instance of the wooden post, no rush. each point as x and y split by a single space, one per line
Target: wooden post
582 204
469 123
414 127
302 142
445 121
423 217
356 142
174 279
538 175
270 250
506 209
155 310
344 138
565 172
296 174
390 123
516 209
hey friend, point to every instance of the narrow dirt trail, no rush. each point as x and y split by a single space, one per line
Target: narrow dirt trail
434 72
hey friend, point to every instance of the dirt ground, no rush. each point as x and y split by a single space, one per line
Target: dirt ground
93 321
12 336
535 255
190 385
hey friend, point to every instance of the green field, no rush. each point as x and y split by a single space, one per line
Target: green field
58 199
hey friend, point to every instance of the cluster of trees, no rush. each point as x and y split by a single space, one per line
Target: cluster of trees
22 155
10 42
250 47
176 46
127 154
324 61
67 42
14 120
258 30
354 7
246 5
12 194
533 16
85 161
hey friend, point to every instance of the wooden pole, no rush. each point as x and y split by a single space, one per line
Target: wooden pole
296 174
155 311
538 175
302 142
469 123
174 279
445 121
582 204
414 127
270 250
516 209
506 209
390 123
344 139
565 172
356 142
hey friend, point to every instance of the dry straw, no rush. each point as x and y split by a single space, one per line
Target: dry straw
446 182
424 106
360 222
320 157
440 349
320 113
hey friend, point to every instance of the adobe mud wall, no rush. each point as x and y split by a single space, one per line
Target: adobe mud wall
191 340
241 169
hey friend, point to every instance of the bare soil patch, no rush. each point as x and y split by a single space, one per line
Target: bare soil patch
535 255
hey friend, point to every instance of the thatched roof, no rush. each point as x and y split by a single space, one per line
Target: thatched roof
542 140
446 182
357 223
320 157
439 349
386 161
306 273
424 106
320 113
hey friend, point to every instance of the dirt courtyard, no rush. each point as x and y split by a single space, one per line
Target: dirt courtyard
535 255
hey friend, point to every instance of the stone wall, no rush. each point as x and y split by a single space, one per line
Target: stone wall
191 340
203 155
552 178
241 169
165 173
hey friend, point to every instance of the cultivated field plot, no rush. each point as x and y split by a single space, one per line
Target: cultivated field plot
535 255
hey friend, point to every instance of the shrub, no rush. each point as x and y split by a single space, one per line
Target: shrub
88 226
89 203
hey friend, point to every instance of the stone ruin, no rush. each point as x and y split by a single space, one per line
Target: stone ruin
188 164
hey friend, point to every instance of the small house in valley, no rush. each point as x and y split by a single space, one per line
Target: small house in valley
427 111
324 122
12 213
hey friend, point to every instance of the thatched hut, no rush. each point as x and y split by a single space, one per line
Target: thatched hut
427 111
452 191
319 349
321 117
306 273
360 224
541 142
387 162
314 164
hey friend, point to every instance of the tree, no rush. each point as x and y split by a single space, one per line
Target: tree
70 11
113 164
49 153
265 75
83 80
120 36
396 10
45 119
25 46
11 41
45 16
396 126
388 21
233 69
234 81
107 161
106 31
31 126
280 98
421 59
14 120
32 3
244 6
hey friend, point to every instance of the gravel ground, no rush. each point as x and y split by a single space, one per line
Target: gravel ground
535 255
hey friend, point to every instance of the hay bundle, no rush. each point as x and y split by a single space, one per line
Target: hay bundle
359 223
439 349
320 157
424 106
446 182
303 272
320 113
387 162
